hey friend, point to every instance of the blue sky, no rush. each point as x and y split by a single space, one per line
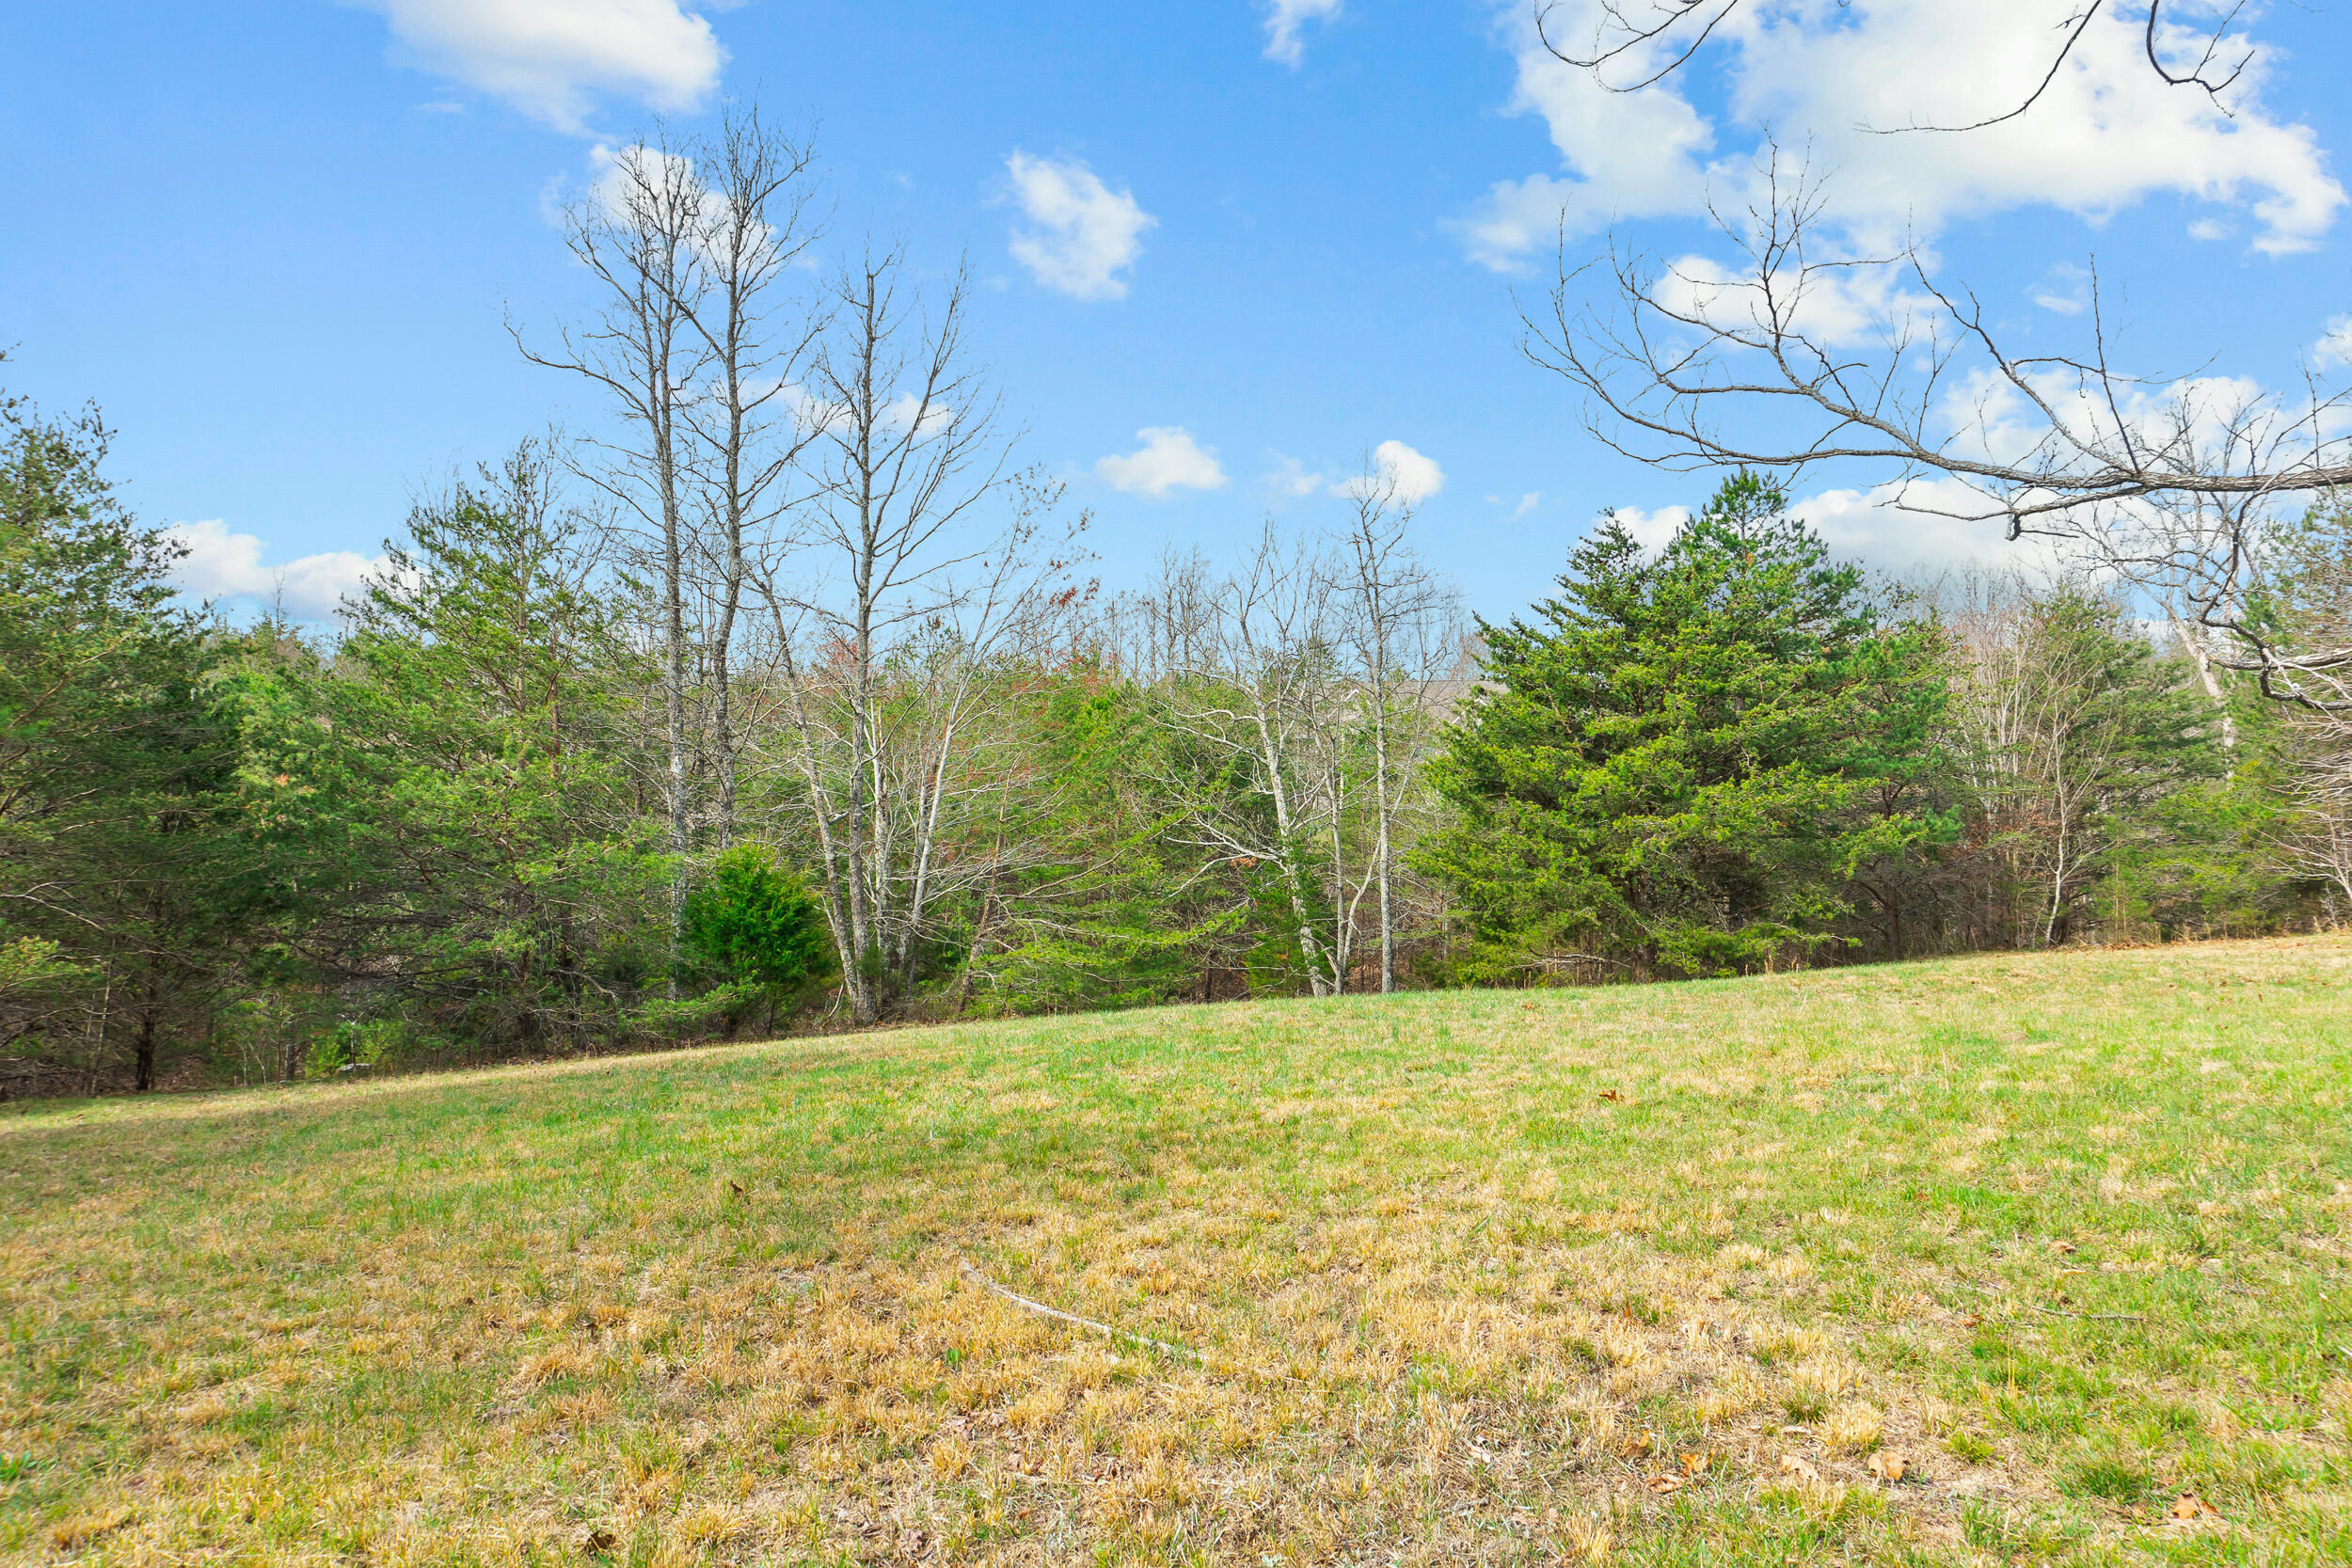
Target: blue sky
277 241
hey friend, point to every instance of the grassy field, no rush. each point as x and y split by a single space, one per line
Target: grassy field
1973 1261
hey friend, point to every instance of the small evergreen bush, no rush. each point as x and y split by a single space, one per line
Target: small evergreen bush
756 923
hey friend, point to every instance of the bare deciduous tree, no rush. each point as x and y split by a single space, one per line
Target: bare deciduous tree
906 456
641 232
1405 624
755 196
2060 724
1651 40
1248 676
2315 838
2171 482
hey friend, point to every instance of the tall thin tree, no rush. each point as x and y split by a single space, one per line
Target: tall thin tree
906 453
642 232
756 201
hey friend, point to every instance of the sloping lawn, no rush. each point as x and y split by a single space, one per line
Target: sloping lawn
1983 1261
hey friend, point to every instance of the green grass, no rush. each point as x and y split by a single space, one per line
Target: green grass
1667 1275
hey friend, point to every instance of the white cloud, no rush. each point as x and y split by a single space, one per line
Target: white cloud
1651 529
1290 478
811 414
1890 527
1403 472
2334 348
1836 307
1284 21
635 180
1528 503
224 565
640 178
907 412
556 59
1630 155
2210 229
1938 522
2066 290
1824 77
1087 232
1170 459
1989 418
1898 528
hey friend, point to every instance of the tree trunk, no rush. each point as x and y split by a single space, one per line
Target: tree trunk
2195 646
1294 875
146 1068
1380 847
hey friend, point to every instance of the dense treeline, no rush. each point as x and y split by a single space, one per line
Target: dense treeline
789 702
443 833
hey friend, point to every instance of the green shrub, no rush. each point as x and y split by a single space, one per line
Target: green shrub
756 923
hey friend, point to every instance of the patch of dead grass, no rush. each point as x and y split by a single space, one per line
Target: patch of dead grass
1434 1303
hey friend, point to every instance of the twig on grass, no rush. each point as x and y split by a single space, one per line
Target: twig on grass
1108 1331
2054 1312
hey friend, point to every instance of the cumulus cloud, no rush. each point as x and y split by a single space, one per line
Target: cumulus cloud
224 565
1400 470
1170 459
1284 19
2107 134
1289 477
1835 307
1896 528
1086 234
556 59
639 178
926 419
1990 417
1651 527
1905 527
1629 155
2334 348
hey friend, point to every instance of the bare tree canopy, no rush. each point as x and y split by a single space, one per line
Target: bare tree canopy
1802 352
897 591
697 340
1648 41
1925 384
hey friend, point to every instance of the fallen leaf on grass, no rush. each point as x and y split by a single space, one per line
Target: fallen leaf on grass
1665 1484
2190 1506
1694 1464
1888 1466
1611 1094
1798 1468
